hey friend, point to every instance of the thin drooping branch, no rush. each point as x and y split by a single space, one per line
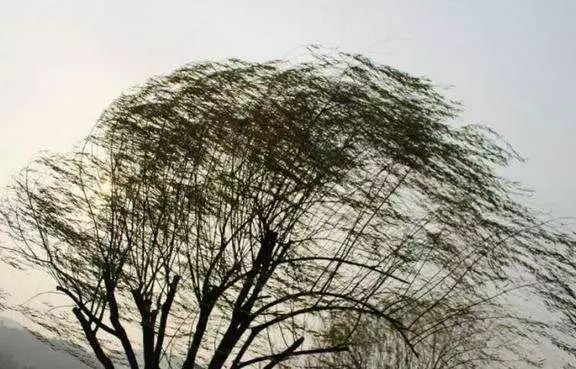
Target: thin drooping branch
93 318
230 208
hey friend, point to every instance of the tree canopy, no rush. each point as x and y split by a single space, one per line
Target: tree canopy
225 214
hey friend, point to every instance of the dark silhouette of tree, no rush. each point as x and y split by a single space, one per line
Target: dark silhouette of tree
555 275
484 336
222 214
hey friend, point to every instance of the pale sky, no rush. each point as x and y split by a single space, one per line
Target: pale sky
510 62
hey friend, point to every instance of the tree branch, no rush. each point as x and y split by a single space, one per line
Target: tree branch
93 340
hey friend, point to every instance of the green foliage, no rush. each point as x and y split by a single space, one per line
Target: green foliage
227 203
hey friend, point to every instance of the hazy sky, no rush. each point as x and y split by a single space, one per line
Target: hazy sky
511 63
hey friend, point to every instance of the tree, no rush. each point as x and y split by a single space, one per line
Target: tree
555 275
484 336
221 214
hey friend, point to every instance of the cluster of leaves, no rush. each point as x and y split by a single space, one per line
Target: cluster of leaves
222 214
485 336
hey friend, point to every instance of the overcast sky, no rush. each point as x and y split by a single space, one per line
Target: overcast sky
511 63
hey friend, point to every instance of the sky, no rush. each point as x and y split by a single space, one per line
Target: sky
510 63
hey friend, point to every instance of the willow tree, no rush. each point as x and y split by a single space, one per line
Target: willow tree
481 336
217 216
556 278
